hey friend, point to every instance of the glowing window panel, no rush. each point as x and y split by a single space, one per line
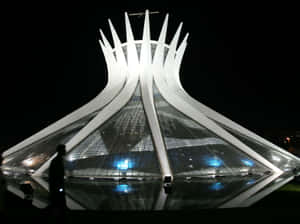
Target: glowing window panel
28 162
276 158
247 162
124 164
250 182
216 186
123 188
214 162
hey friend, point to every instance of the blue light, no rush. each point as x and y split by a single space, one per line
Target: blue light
124 164
123 188
248 162
217 186
250 182
215 162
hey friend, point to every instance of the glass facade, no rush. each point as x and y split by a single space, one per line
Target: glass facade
195 151
277 158
33 156
121 147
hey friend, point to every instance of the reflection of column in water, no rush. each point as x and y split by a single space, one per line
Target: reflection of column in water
123 188
161 200
71 204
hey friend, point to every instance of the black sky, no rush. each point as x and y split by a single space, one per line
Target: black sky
241 60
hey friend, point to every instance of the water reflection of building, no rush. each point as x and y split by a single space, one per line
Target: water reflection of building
222 192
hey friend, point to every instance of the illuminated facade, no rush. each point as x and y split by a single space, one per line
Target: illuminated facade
144 125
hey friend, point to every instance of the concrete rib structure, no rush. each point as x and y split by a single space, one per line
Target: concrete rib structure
144 124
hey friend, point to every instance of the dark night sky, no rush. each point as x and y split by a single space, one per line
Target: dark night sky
242 60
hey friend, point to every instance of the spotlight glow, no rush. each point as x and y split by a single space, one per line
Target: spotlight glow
215 162
123 188
276 158
124 164
28 162
217 186
248 162
250 182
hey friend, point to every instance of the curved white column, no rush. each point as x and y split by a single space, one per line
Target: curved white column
115 83
146 80
107 112
132 58
197 115
210 125
200 118
175 86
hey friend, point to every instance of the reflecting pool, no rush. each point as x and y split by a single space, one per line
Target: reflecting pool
135 195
